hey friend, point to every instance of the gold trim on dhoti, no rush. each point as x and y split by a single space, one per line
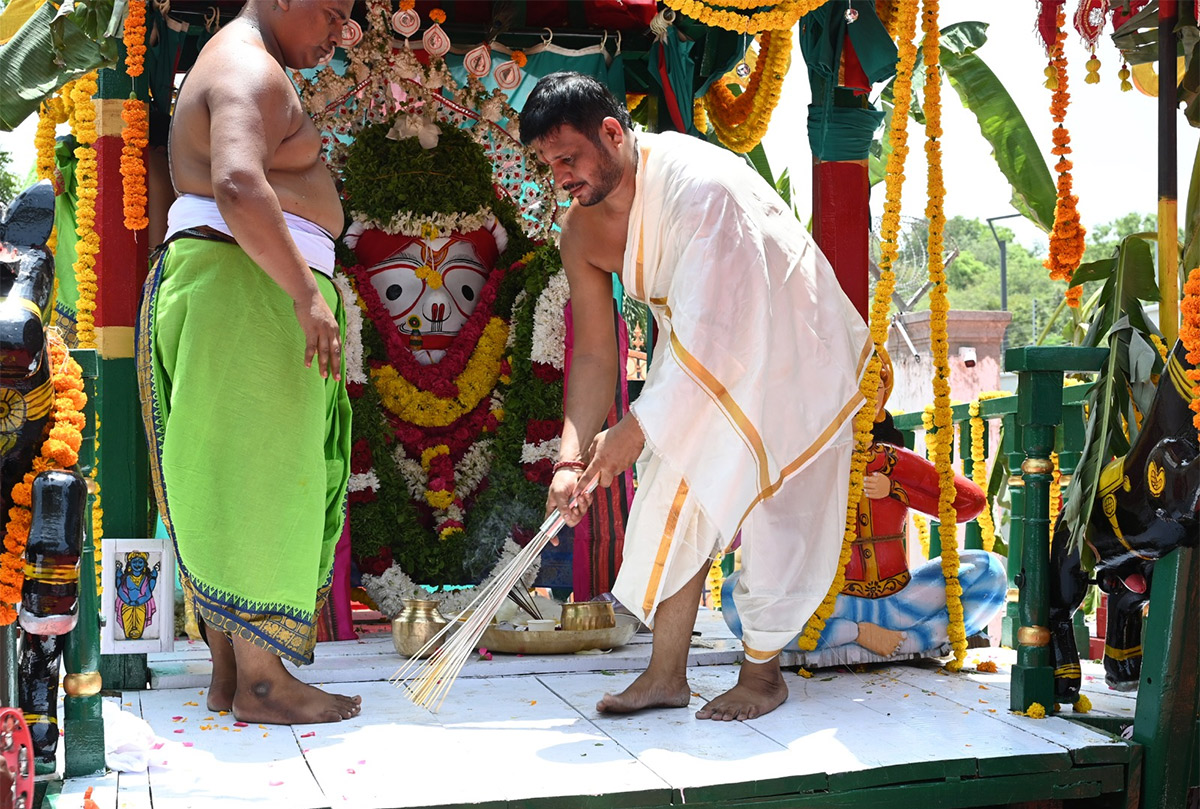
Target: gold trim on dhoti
664 547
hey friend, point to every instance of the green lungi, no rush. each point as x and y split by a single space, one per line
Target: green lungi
249 450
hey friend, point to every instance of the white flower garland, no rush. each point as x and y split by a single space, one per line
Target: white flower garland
469 472
549 325
544 450
361 481
353 349
407 223
391 589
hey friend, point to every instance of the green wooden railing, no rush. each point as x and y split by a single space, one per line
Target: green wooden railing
1044 416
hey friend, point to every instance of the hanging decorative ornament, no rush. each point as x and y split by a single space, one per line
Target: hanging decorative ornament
352 34
436 43
743 70
478 60
507 75
406 22
851 14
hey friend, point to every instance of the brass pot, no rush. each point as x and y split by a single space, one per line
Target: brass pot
415 626
588 615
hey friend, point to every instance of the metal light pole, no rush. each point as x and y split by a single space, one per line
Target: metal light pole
1003 243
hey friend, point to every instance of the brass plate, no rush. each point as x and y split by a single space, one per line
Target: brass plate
559 642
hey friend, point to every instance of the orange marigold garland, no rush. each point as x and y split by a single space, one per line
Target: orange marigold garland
86 174
1066 238
135 137
1189 333
135 38
60 450
741 123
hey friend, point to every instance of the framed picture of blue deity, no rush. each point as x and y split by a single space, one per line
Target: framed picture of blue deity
138 598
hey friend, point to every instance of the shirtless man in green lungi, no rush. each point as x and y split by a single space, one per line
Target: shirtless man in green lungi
250 443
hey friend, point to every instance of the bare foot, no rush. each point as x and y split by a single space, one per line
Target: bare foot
223 684
648 691
268 693
760 690
881 641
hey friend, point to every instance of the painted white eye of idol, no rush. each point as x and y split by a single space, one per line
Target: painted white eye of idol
430 289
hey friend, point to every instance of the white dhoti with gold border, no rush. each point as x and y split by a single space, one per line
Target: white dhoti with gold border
748 402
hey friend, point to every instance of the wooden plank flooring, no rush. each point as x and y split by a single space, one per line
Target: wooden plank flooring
524 732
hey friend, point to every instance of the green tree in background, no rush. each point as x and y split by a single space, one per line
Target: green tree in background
10 184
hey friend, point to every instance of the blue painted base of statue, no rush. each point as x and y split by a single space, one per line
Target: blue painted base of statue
910 623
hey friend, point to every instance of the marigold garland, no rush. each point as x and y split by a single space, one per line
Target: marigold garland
939 343
865 418
1189 333
987 528
779 17
51 113
60 450
437 15
1067 235
428 409
741 122
135 38
88 244
699 115
135 136
1055 491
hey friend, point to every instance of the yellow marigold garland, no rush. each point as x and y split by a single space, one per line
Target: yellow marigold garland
1189 333
699 115
85 210
939 307
864 420
51 113
741 123
1066 238
634 100
1055 492
781 16
427 409
922 525
715 579
987 528
135 137
60 450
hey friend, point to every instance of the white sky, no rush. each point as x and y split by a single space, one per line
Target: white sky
1113 133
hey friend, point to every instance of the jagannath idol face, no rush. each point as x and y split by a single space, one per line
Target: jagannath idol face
430 288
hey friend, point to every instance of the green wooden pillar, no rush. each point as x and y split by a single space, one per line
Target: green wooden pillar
8 648
83 727
1011 446
1167 717
1071 438
1039 412
1039 408
974 536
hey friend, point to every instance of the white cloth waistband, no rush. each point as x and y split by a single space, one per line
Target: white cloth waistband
314 242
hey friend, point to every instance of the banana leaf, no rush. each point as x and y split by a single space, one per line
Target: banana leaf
59 42
1013 145
1124 384
1000 121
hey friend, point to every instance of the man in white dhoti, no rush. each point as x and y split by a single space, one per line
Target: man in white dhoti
745 418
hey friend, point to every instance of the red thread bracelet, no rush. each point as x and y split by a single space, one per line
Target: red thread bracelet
578 465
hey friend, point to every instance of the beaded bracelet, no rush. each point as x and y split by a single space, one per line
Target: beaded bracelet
577 465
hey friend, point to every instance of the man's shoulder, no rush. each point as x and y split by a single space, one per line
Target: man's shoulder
234 66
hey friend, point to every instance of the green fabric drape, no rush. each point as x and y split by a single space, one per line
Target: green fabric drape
841 125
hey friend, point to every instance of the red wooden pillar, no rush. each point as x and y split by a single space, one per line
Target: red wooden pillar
842 224
121 267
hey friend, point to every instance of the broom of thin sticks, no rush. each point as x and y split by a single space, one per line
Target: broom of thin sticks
427 681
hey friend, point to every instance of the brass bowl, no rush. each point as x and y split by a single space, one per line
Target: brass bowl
584 615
